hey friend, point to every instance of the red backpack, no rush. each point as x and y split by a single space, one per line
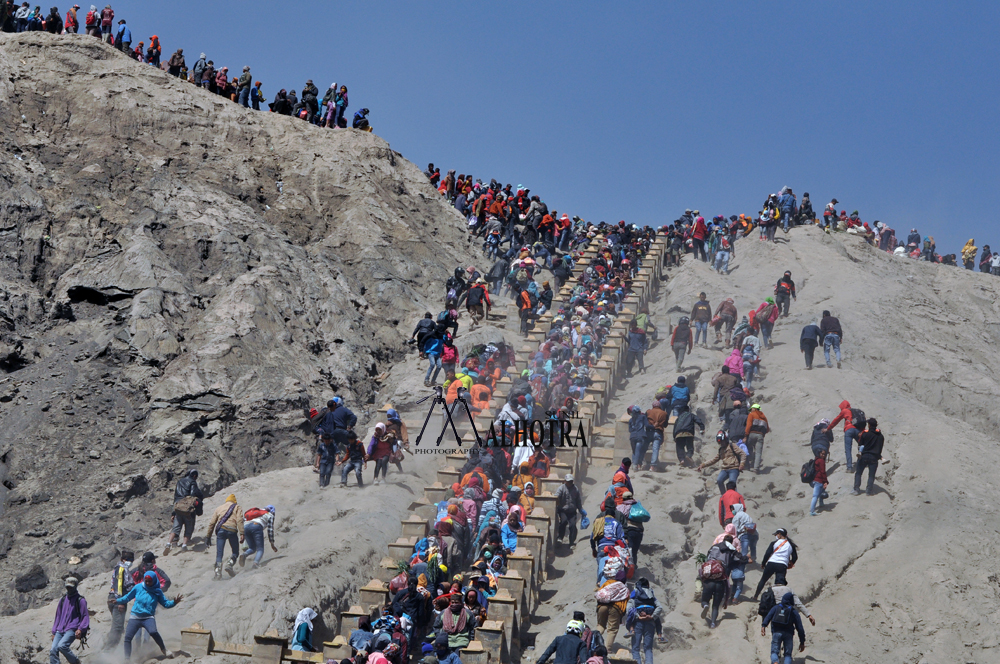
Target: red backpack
253 513
91 18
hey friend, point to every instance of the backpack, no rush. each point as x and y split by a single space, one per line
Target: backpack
91 18
592 639
253 513
783 616
748 353
858 418
712 570
766 603
442 317
186 506
808 472
521 276
758 426
475 297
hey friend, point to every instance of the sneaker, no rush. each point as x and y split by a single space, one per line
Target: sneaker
869 493
243 559
184 548
829 366
229 568
166 550
712 626
255 566
813 514
168 654
376 482
218 571
343 485
855 493
838 364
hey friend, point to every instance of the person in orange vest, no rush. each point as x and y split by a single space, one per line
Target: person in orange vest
72 23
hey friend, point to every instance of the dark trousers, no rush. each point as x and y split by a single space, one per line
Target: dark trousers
634 538
566 518
808 351
685 448
114 637
770 570
871 463
148 624
783 300
714 591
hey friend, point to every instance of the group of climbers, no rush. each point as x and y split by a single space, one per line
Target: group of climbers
328 111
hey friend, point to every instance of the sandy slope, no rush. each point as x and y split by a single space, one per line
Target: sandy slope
904 575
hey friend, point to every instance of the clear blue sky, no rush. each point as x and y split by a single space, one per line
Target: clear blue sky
635 111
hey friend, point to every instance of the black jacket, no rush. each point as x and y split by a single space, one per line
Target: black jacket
686 422
821 438
568 649
785 283
831 325
738 424
811 337
188 486
871 443
770 551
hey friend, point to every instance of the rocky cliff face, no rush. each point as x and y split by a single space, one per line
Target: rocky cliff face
180 278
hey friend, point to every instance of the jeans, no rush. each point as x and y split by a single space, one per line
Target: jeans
639 452
117 626
642 640
871 463
244 99
434 366
325 471
679 351
381 465
254 535
657 441
738 577
601 559
727 475
722 261
755 445
817 499
148 624
356 466
766 329
786 216
808 351
748 372
221 538
770 569
685 448
831 340
748 542
61 641
850 436
779 640
783 300
338 114
701 331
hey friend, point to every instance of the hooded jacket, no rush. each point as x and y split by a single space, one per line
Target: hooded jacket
731 457
727 501
188 486
788 601
741 520
145 598
845 415
870 443
685 423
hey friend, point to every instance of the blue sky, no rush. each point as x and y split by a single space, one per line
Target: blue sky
636 111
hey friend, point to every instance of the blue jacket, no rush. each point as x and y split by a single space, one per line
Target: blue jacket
508 537
433 346
344 417
146 599
787 202
787 601
679 395
124 34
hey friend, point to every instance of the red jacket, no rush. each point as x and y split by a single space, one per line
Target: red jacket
700 232
733 497
845 414
820 465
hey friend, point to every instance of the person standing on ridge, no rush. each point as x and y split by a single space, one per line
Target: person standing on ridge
833 334
243 87
788 206
107 18
701 314
784 290
71 623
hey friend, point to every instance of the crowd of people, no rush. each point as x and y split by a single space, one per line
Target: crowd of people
330 110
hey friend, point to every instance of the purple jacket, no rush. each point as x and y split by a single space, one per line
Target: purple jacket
71 614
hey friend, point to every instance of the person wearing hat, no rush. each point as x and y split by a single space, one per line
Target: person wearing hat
568 503
780 556
148 564
757 427
783 290
188 505
123 38
146 595
71 623
568 648
733 461
243 87
477 301
107 19
444 654
121 583
72 23
199 69
227 524
254 535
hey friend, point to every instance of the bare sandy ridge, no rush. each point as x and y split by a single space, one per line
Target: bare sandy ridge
904 574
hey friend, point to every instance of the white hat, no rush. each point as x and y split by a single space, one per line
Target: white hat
569 477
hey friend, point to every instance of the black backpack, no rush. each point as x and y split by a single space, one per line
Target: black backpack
783 616
592 639
858 418
475 296
766 603
808 472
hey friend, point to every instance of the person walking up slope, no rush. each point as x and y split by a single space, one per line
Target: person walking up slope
681 340
701 314
854 423
146 595
870 447
833 334
785 622
227 524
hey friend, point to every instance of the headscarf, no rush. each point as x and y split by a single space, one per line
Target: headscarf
306 616
822 423
731 531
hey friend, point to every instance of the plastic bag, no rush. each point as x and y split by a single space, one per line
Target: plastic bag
638 513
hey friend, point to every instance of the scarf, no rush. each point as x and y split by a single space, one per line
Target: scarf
448 620
305 616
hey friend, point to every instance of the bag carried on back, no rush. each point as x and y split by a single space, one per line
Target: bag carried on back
711 570
808 472
253 513
766 603
858 419
186 506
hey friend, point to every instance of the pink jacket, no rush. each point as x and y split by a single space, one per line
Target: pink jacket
735 362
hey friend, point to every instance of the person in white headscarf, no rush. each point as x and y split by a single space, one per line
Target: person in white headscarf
303 630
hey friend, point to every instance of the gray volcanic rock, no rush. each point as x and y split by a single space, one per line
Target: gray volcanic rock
181 279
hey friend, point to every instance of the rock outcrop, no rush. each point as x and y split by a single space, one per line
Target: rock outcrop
181 278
